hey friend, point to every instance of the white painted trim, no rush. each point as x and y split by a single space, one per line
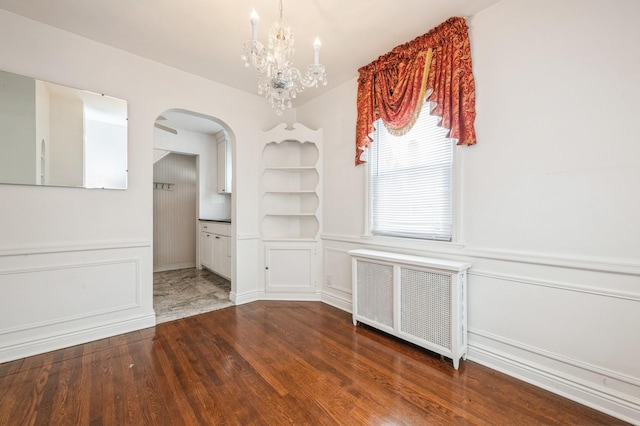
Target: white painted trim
338 289
337 302
61 248
395 243
175 267
255 296
248 237
291 297
594 264
67 319
75 337
634 381
585 392
325 268
241 299
597 291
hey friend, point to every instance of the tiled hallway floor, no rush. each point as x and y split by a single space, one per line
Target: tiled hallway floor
186 292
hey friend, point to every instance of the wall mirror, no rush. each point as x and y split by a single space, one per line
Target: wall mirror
60 136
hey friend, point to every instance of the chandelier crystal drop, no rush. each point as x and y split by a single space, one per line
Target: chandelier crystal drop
279 80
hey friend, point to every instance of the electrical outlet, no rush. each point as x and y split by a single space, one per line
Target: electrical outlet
328 280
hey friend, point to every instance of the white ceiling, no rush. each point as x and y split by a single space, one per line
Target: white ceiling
205 37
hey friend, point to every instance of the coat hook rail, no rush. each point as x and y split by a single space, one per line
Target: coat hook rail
163 185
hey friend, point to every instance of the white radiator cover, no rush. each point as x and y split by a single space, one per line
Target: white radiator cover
418 299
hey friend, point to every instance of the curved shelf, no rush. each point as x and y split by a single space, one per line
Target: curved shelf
290 227
290 179
290 182
298 202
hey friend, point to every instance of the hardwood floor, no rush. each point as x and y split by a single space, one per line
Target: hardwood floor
268 363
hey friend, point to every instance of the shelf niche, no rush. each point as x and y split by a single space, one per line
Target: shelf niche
290 185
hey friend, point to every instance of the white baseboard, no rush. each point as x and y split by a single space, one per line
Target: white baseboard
291 297
337 302
568 379
241 299
75 337
174 267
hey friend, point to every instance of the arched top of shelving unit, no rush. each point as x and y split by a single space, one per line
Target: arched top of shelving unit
296 132
291 154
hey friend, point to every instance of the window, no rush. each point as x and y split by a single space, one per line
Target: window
412 181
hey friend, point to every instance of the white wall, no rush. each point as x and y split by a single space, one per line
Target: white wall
174 212
212 204
548 199
76 264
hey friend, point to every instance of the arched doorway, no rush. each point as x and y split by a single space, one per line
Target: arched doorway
193 253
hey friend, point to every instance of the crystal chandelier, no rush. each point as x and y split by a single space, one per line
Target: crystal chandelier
279 80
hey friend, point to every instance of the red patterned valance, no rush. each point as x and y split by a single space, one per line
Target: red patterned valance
435 66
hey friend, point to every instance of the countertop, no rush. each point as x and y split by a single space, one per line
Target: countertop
216 220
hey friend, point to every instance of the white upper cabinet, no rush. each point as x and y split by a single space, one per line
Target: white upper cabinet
224 164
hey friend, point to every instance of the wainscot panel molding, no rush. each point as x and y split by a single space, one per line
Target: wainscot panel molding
51 283
66 248
59 296
333 256
607 287
593 264
604 390
597 291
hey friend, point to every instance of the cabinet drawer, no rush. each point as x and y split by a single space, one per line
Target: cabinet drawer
215 228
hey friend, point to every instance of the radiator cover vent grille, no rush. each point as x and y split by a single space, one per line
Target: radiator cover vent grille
418 299
425 306
375 292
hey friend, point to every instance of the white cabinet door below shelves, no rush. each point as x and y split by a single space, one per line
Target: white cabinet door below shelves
290 268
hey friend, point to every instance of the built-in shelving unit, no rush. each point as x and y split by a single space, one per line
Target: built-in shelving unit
290 181
290 209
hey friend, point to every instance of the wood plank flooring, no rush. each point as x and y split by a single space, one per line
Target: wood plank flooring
268 363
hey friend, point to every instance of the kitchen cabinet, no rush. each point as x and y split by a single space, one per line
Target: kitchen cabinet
224 167
215 253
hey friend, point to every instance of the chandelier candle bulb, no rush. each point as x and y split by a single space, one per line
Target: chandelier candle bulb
254 25
316 49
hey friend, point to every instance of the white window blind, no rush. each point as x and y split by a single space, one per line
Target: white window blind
411 181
